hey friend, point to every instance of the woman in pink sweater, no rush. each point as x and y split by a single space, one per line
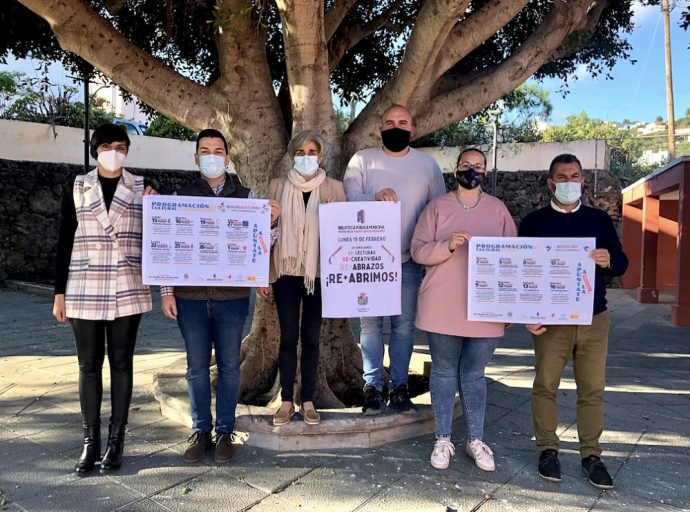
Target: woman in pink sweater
460 350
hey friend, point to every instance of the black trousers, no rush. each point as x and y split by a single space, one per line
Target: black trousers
290 293
90 339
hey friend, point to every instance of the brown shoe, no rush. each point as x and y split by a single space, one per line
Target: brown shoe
200 442
225 451
282 416
310 415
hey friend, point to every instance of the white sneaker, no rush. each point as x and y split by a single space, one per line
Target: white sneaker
443 451
481 453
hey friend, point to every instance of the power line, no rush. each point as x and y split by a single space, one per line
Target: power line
644 66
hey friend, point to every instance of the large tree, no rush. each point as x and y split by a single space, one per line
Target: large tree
260 71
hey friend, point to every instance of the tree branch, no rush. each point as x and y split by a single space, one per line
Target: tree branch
79 29
306 62
473 31
486 86
335 16
348 37
414 76
257 142
245 77
587 31
448 83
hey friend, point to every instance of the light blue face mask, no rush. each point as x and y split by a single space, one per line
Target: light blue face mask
568 193
306 165
212 166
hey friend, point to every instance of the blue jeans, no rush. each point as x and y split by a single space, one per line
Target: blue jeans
402 334
459 363
207 325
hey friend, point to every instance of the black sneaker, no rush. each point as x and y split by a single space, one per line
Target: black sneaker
200 442
549 467
596 472
373 400
400 400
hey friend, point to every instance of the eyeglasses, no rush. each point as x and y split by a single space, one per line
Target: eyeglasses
466 166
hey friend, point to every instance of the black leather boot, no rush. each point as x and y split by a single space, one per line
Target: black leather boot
91 452
112 460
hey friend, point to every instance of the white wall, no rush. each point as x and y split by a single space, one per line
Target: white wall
593 154
35 142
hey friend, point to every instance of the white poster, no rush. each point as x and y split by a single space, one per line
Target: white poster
206 241
531 280
360 259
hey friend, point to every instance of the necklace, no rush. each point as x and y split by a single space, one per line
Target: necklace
468 208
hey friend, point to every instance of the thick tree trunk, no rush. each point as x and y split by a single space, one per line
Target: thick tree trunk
339 381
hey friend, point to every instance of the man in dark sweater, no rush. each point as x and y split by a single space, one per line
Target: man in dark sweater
567 217
212 318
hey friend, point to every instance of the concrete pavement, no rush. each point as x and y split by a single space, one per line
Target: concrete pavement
646 442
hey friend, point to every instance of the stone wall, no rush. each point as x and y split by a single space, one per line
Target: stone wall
525 191
31 193
30 198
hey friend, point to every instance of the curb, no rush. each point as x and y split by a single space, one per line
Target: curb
340 428
35 288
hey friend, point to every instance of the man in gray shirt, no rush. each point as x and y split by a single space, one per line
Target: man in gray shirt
395 173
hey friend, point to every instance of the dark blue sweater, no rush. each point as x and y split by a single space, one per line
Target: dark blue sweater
585 222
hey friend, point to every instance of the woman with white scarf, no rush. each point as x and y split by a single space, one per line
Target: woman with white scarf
295 270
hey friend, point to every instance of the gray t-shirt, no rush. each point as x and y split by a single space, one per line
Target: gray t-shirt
416 178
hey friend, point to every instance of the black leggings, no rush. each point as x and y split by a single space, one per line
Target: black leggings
290 293
89 336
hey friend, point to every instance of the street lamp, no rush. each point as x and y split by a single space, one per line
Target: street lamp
86 70
496 112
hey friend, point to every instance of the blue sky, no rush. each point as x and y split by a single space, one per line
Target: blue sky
637 91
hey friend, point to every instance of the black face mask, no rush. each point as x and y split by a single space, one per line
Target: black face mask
469 179
395 139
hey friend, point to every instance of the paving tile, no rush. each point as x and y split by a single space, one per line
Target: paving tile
430 489
528 492
642 482
615 501
25 480
212 491
157 472
93 493
20 451
268 471
143 505
30 422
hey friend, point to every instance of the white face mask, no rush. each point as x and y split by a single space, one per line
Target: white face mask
212 166
111 160
568 193
306 165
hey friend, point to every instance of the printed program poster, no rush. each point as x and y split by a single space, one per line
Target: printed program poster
360 259
531 280
206 241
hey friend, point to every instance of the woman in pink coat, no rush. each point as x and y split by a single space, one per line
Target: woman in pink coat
460 350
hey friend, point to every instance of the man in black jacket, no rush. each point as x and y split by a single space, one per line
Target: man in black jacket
567 217
212 317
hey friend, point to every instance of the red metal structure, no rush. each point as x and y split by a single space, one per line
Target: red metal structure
656 237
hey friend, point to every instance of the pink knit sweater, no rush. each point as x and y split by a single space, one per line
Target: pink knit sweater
443 295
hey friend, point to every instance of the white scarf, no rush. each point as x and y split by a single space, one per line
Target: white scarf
299 230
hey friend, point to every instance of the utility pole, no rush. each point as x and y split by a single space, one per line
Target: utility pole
669 81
